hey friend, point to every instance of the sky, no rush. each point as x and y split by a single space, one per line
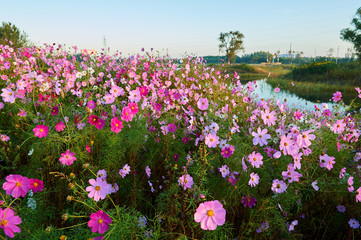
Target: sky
185 27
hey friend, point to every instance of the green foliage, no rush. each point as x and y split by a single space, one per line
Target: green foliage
10 33
354 35
231 43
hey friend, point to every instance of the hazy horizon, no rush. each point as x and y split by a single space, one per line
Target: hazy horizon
185 27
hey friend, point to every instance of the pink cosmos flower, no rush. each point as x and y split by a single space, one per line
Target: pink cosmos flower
303 140
268 117
210 214
16 185
133 108
287 144
108 98
100 124
8 222
224 170
298 115
260 137
350 184
339 126
254 179
358 196
186 181
102 174
36 185
255 159
99 189
327 161
8 95
99 222
278 186
116 125
277 89
67 158
41 131
358 91
148 171
127 114
203 104
343 170
212 140
116 91
297 160
337 96
60 126
91 104
172 127
134 96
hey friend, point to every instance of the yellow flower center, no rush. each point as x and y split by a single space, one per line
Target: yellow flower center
97 188
117 125
278 186
18 184
210 213
185 181
211 140
35 184
100 221
10 94
41 130
260 136
268 117
4 222
304 136
286 144
254 159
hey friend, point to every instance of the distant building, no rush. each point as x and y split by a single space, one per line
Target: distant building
88 51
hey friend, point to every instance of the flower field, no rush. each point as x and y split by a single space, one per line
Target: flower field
146 147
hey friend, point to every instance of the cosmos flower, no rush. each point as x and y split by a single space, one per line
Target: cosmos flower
99 189
41 131
210 214
186 181
99 222
67 158
16 185
8 222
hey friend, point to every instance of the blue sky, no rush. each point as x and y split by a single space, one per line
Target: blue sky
185 27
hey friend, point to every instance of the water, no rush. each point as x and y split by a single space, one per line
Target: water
266 91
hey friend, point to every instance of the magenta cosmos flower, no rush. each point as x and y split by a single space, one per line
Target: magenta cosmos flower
99 222
99 189
41 131
8 222
16 185
36 185
67 158
203 104
116 125
210 214
249 201
186 181
60 126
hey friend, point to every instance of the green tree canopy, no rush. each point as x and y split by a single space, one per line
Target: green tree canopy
231 43
354 35
9 32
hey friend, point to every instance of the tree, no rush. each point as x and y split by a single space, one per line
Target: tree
231 43
354 35
9 32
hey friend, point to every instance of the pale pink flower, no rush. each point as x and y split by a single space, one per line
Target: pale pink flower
337 96
339 126
255 159
303 140
99 189
278 186
260 137
212 140
8 95
203 104
287 144
134 96
268 117
210 214
254 179
224 170
186 181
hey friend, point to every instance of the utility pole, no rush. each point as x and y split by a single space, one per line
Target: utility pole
289 53
338 49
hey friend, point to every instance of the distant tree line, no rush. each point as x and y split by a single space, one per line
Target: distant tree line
262 57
